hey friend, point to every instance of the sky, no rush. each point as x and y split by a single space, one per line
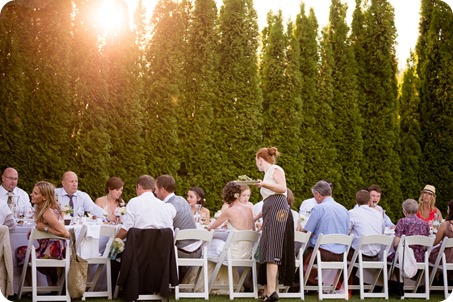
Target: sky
406 17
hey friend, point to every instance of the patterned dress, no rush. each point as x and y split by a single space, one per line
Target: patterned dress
48 248
412 225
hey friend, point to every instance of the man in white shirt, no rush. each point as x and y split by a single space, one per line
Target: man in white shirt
9 190
146 211
375 193
364 220
305 209
70 196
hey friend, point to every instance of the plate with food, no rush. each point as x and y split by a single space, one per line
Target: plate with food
245 180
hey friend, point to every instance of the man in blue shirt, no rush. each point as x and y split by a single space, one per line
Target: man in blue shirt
327 217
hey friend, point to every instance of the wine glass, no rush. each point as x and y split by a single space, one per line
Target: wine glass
203 218
117 214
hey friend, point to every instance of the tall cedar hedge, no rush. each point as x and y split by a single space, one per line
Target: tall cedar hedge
191 93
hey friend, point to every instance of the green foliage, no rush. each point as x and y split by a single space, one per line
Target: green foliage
436 109
411 153
306 32
347 133
280 82
238 111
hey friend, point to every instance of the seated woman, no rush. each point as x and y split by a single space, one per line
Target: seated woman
411 225
238 216
48 219
112 201
445 230
243 198
427 209
195 196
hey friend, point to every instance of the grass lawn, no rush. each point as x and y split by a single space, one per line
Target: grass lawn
435 296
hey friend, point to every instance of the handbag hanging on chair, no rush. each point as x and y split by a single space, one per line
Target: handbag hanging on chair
78 270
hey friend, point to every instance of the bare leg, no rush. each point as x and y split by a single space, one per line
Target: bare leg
271 271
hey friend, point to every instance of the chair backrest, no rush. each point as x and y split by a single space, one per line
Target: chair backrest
242 235
193 234
302 238
110 232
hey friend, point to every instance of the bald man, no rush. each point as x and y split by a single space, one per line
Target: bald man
9 187
70 192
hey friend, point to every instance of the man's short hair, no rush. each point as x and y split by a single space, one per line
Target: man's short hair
374 188
323 188
362 197
146 182
410 206
167 182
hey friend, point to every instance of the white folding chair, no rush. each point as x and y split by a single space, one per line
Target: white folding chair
442 265
35 263
200 263
100 263
378 266
328 290
398 262
227 258
303 239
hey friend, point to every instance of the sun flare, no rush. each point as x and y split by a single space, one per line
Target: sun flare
111 15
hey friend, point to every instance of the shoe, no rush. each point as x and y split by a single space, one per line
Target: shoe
271 298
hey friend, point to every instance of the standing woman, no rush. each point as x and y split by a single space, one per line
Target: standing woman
277 238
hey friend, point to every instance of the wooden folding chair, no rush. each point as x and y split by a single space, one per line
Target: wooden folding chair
227 258
100 263
442 265
398 263
35 263
303 239
201 263
378 267
328 290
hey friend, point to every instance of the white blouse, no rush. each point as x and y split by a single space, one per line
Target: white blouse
269 179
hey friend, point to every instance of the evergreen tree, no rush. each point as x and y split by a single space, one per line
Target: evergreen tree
306 32
436 109
410 132
12 90
163 84
374 45
46 107
238 129
328 165
124 111
200 95
347 135
280 82
89 141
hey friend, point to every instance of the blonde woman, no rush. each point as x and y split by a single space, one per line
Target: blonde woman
427 209
49 219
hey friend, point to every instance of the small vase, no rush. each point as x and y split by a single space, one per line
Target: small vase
113 254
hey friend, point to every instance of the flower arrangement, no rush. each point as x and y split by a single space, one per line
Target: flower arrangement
123 210
236 195
67 210
117 247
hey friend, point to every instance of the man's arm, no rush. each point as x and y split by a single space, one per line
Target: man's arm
122 234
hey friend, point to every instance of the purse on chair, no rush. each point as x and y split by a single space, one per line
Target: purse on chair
78 270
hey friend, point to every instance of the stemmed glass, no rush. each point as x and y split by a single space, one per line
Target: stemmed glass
117 214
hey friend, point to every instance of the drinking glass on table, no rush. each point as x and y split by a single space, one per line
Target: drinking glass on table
117 214
203 218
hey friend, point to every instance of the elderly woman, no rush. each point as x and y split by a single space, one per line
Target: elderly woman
411 225
427 210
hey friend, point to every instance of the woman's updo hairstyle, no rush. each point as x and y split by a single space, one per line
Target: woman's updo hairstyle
200 193
231 192
268 154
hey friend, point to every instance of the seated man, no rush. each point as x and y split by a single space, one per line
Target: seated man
146 211
375 192
70 196
9 190
165 190
327 217
365 220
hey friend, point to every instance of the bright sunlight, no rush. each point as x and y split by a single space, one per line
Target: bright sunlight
111 16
